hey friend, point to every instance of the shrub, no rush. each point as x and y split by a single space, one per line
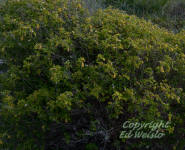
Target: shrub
73 79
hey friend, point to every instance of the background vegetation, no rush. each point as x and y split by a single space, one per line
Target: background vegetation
166 13
75 76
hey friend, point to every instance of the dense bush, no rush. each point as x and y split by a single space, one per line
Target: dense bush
73 79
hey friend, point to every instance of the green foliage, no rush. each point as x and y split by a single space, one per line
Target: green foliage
72 78
91 146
